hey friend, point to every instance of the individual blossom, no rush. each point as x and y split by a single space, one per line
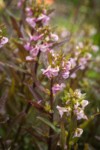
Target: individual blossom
29 11
65 74
44 19
58 87
31 21
84 103
72 62
88 56
67 67
50 72
33 54
20 3
73 75
78 132
36 37
79 112
82 63
63 110
54 37
29 58
95 48
45 47
78 94
3 41
76 105
28 46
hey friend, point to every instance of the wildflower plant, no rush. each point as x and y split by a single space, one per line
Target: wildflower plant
39 83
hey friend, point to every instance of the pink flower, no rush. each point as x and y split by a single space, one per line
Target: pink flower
78 132
72 62
76 105
44 18
58 87
73 75
29 58
63 110
31 21
54 37
95 48
67 67
65 74
28 46
50 72
29 11
3 41
33 54
45 47
88 56
82 63
34 51
36 37
84 103
20 3
80 114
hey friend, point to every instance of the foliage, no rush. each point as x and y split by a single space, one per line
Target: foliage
46 79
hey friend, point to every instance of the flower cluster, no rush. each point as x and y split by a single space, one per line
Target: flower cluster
75 104
40 38
56 66
76 99
50 72
67 67
78 132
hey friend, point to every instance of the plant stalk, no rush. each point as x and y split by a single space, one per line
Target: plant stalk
51 117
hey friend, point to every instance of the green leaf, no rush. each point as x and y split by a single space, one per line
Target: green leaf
47 122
